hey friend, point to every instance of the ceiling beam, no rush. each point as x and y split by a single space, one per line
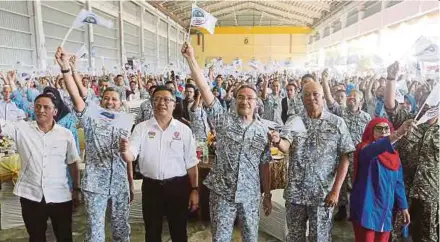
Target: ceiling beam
165 11
212 7
263 7
314 5
226 6
203 5
291 8
246 8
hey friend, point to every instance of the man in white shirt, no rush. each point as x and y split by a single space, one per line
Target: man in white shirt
46 149
168 163
8 110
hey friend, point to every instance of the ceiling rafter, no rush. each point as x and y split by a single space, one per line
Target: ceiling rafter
213 7
290 8
308 20
317 6
226 6
265 8
224 17
204 4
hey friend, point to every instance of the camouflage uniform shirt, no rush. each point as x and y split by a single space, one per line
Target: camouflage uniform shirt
419 151
240 150
314 156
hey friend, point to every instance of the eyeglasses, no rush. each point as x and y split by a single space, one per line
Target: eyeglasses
243 98
315 95
166 100
381 129
45 107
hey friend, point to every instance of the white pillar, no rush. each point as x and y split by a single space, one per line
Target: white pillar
177 48
41 52
157 42
142 33
90 39
168 41
123 53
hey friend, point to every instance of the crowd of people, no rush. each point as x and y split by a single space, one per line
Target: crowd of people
351 143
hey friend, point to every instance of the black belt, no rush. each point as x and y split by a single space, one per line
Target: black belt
166 181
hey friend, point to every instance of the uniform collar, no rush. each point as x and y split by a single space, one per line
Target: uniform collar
173 122
34 125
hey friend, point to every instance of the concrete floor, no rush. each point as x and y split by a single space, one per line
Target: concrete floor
197 231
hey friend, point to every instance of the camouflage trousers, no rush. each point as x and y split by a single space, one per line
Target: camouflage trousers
224 212
347 185
424 220
398 224
96 206
320 223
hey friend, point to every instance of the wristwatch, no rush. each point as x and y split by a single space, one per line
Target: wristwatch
65 71
268 195
194 189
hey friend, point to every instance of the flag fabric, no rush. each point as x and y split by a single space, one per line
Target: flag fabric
237 63
426 49
201 18
82 53
434 97
254 64
401 90
88 17
430 114
120 120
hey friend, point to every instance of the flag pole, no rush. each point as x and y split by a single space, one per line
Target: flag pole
190 22
67 35
189 28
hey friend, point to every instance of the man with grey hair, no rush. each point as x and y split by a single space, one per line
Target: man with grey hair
318 143
356 121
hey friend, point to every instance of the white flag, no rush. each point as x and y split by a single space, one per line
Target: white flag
254 63
401 90
434 97
237 63
430 114
82 53
88 17
120 120
201 18
426 50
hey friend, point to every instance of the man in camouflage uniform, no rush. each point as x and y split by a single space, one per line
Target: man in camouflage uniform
356 121
108 179
419 152
242 154
146 109
319 143
272 102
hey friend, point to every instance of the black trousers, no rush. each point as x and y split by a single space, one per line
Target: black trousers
165 198
35 215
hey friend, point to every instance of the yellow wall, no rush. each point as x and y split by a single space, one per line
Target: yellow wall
261 46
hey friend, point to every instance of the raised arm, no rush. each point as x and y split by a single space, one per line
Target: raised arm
78 81
12 77
63 61
390 88
188 53
265 86
327 93
368 94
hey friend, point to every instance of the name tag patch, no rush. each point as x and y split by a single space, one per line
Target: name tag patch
151 134
177 136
